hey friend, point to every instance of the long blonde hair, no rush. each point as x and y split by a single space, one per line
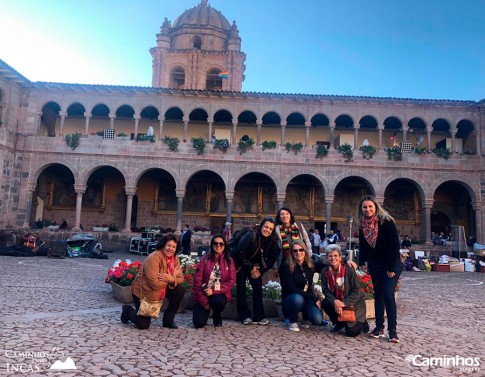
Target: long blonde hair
380 212
291 260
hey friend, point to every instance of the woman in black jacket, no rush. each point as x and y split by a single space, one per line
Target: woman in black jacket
254 254
379 248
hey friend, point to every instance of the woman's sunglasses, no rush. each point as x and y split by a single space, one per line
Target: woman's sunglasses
218 243
300 250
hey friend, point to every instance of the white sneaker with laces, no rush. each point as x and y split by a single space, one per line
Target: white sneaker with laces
247 321
294 327
263 322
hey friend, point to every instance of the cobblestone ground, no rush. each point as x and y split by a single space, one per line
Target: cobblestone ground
52 309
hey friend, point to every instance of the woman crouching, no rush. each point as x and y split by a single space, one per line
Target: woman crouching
340 287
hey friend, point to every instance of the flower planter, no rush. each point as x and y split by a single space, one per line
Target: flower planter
122 294
279 310
100 229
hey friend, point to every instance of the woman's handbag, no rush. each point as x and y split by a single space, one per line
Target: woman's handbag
149 308
347 315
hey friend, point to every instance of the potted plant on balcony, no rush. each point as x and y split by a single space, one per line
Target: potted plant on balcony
394 153
442 152
222 144
143 137
244 144
122 136
172 142
322 151
420 150
72 140
268 144
295 147
199 144
346 151
368 151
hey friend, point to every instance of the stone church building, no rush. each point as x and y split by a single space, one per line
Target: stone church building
107 155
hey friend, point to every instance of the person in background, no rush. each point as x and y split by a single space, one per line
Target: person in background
186 239
160 277
316 242
214 278
226 233
379 248
406 242
255 253
332 237
341 287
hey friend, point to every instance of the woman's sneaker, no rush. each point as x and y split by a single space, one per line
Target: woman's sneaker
263 322
377 333
294 327
305 324
393 337
247 321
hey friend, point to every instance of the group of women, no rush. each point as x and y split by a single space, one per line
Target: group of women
284 243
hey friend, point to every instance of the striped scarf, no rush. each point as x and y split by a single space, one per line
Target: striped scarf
285 242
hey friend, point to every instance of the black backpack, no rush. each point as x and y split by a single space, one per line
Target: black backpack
238 235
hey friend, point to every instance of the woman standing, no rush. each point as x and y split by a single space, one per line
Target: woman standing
254 254
341 288
160 277
379 247
297 290
214 278
289 231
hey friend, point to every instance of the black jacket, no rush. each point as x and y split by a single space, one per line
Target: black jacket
295 282
386 253
252 250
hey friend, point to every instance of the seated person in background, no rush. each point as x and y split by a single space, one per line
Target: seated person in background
341 287
406 242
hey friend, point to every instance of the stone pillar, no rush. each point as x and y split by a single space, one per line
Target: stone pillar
28 205
453 141
282 133
80 190
87 117
186 126
307 132
331 128
130 193
328 212
356 136
160 129
38 118
180 200
428 134
405 130
280 200
229 199
137 121
63 115
3 114
427 206
380 128
259 124
112 118
477 207
234 129
210 121
477 141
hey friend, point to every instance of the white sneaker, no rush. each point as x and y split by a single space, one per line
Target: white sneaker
247 321
263 322
294 327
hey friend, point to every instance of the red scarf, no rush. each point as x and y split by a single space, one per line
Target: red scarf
336 281
285 243
170 269
370 228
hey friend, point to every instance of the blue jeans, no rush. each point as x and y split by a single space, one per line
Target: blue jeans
296 303
384 289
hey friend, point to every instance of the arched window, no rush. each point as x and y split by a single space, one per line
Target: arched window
197 43
178 78
213 81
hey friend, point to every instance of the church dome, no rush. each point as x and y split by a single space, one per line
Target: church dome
201 16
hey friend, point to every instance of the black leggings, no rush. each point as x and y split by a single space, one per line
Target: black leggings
201 315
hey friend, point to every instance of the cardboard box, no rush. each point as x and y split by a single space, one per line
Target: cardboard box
457 267
441 267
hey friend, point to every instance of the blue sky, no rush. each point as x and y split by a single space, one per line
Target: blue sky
431 49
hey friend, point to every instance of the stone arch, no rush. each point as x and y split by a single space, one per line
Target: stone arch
139 171
89 168
236 176
36 171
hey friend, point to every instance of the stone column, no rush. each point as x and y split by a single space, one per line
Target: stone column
259 124
63 115
80 190
28 205
87 117
229 199
477 141
282 133
210 121
307 132
405 133
137 121
186 126
356 136
234 129
112 118
331 128
280 200
130 193
3 114
427 206
477 207
160 129
328 212
380 128
38 118
428 134
180 200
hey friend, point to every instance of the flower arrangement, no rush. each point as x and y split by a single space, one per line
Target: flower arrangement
149 138
172 142
268 144
420 150
368 151
295 147
222 144
346 151
121 134
244 144
123 272
199 144
188 266
367 287
272 290
72 140
322 151
442 152
394 153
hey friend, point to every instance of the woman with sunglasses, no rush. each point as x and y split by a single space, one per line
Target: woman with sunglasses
214 278
254 254
297 291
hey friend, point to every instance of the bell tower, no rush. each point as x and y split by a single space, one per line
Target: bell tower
201 50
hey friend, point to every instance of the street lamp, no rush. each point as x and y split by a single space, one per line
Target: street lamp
350 220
